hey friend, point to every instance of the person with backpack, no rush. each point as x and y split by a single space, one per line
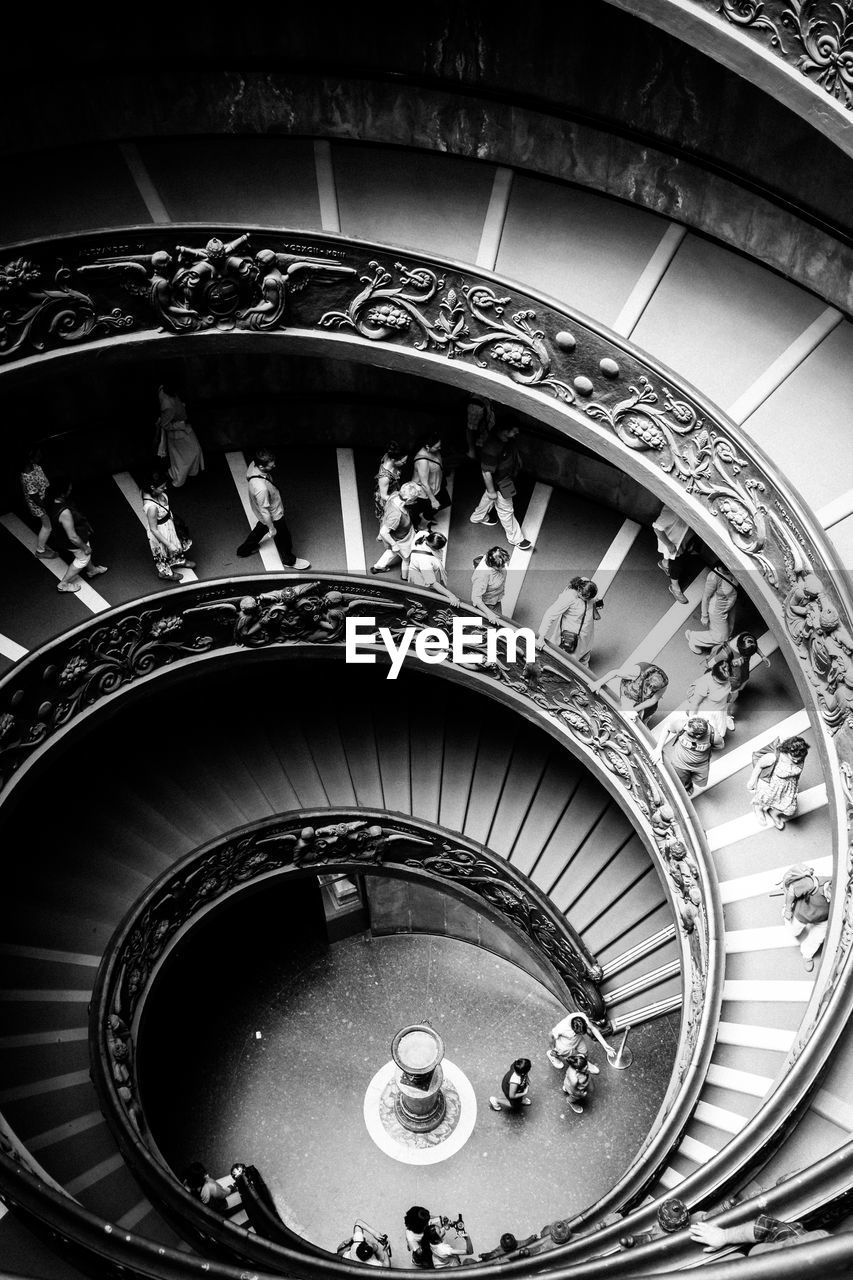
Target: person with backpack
738 653
806 909
168 547
775 781
425 567
692 743
69 521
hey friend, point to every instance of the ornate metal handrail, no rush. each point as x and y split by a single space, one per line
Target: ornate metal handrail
84 672
447 321
305 842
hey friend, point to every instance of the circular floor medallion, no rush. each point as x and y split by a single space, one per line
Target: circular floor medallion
420 1148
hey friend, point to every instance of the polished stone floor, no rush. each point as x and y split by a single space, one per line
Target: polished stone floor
269 1063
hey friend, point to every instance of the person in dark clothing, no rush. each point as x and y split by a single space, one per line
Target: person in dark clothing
500 463
515 1086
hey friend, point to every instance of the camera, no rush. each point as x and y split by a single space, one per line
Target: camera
457 1224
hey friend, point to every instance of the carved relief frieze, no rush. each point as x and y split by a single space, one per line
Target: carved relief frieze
815 36
40 310
181 289
465 319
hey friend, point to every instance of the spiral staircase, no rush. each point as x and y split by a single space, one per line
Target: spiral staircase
774 356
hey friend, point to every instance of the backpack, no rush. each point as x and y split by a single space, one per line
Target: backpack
765 774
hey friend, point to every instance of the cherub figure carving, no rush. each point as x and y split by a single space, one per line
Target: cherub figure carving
297 613
281 275
151 276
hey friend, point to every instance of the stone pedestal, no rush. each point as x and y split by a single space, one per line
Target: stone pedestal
419 1102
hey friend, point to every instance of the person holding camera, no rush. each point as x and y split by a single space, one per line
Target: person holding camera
570 621
447 1253
367 1246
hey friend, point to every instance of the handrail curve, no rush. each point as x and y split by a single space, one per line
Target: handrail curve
85 672
347 840
445 320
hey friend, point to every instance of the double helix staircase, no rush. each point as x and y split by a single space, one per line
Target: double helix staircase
770 353
117 823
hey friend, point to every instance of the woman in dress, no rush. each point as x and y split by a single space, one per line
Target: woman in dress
577 1085
709 698
176 439
570 621
718 602
34 486
429 474
388 476
168 548
775 781
641 687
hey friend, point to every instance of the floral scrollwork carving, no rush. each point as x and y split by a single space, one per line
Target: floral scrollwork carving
824 31
708 466
750 13
467 320
36 314
820 37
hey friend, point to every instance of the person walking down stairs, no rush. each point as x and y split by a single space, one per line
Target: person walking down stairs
500 463
168 547
265 497
70 521
34 486
175 438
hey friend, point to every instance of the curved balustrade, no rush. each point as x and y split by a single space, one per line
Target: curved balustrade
445 321
83 673
351 841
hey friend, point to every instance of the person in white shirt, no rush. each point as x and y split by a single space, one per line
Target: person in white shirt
488 582
425 567
268 508
447 1254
